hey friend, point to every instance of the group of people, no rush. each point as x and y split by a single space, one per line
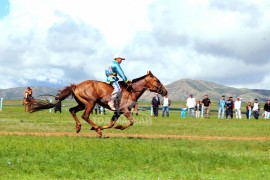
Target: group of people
228 106
196 109
156 103
201 108
99 110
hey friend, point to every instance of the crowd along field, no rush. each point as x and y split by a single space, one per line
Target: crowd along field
44 145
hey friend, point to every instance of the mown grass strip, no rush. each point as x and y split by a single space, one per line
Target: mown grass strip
30 157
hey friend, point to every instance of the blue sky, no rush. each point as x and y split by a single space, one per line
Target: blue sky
58 42
4 8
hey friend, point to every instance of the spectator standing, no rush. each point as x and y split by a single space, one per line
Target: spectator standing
198 108
206 104
96 109
58 105
155 104
166 104
229 107
267 110
28 93
237 108
191 102
102 110
249 110
221 107
256 109
183 111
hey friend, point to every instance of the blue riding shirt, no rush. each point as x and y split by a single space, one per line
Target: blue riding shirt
113 70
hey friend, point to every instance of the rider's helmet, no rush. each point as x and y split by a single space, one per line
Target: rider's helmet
117 56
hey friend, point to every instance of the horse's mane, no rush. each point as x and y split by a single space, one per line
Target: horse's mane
133 81
139 78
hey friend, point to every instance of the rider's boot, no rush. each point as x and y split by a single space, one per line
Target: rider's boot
117 103
111 104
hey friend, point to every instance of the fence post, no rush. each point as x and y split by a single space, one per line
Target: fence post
152 112
50 110
202 115
1 104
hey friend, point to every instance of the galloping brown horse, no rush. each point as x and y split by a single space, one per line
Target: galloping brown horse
90 92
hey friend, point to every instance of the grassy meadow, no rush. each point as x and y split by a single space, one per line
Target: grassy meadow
66 157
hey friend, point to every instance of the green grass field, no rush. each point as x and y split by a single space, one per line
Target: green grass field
66 157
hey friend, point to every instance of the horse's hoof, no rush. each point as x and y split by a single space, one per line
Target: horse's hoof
99 135
78 128
92 129
118 127
99 132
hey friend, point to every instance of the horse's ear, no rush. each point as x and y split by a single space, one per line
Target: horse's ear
150 73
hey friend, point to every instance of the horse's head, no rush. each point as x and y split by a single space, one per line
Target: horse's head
154 85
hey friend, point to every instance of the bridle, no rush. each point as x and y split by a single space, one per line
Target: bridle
158 88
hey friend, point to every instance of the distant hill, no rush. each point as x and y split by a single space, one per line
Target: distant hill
178 90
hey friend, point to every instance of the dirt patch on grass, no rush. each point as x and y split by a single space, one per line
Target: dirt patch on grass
144 136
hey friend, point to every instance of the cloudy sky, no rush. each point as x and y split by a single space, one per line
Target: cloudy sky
58 42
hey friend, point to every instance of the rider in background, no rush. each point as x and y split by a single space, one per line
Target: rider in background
28 93
111 72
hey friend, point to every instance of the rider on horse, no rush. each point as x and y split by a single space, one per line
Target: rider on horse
112 71
28 93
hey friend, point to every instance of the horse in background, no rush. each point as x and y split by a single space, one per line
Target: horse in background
27 101
89 93
27 98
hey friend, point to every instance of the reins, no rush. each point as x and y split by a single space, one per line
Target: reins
158 88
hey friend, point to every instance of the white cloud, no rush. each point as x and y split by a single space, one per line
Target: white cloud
59 41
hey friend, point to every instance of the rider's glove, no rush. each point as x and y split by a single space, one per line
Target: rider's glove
128 81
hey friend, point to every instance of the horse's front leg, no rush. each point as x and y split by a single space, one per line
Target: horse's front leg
131 121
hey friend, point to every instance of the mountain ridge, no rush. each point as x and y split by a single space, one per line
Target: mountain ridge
181 89
177 90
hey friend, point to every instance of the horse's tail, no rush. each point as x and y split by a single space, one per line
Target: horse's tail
67 91
38 105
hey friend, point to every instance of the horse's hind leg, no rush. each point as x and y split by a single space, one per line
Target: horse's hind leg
73 112
88 109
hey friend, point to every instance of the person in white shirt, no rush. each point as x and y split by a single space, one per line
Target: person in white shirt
191 102
166 104
237 108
